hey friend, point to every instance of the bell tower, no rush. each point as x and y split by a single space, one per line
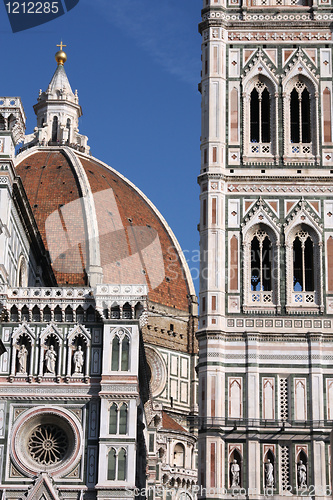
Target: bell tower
266 242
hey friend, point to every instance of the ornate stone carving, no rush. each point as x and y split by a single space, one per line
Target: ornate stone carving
301 474
235 474
269 474
78 361
50 360
22 359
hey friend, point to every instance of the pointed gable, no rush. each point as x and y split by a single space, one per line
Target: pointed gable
44 489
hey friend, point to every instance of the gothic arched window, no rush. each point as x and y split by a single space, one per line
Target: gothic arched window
123 419
118 419
112 459
117 465
303 269
120 354
124 354
300 120
35 314
261 262
115 353
260 114
303 276
46 314
121 465
113 423
260 106
300 131
14 315
261 269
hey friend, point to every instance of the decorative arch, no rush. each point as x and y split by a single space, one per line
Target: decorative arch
117 464
235 466
69 315
78 360
115 311
14 314
179 455
260 105
302 466
301 122
261 263
269 466
304 279
11 120
120 349
50 336
127 311
118 418
23 336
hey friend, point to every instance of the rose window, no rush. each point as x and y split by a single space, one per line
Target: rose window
47 444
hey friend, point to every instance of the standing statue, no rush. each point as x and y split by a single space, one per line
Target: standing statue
50 360
269 474
78 359
301 473
22 357
235 471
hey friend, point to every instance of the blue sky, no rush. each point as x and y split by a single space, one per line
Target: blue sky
136 65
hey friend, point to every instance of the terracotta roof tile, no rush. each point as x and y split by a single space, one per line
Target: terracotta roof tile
168 423
50 182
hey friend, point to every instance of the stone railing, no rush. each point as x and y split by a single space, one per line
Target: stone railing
261 148
261 297
74 304
304 298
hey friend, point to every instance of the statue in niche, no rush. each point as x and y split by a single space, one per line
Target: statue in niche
78 360
269 474
22 357
50 360
301 474
235 472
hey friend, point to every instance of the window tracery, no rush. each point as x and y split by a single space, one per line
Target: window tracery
259 125
118 419
303 269
261 269
301 120
120 353
260 116
117 463
47 444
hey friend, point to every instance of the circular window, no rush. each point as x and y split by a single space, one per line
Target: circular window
47 444
46 439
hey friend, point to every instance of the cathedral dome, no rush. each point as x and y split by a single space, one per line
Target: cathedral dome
99 227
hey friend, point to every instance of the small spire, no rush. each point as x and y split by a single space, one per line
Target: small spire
61 56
